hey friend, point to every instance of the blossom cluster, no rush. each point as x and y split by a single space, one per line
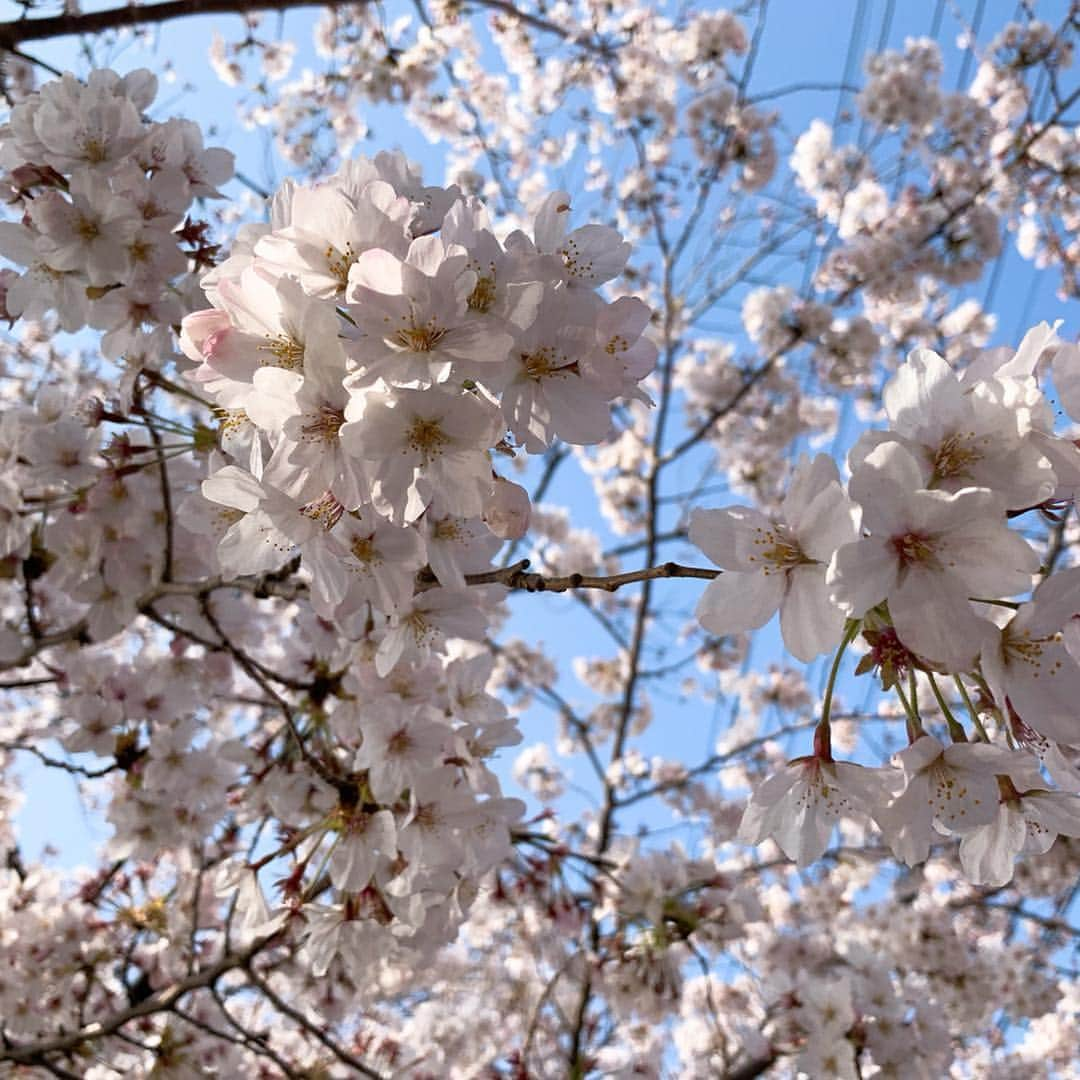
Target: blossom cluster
251 594
369 349
367 352
919 555
107 239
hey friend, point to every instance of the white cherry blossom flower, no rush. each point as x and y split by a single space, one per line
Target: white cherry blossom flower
91 233
799 806
415 317
1028 666
425 446
1025 822
779 563
400 744
421 626
960 436
365 840
927 552
953 787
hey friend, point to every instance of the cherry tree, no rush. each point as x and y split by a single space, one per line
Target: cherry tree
378 553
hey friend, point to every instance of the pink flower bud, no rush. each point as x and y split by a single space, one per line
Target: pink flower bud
200 331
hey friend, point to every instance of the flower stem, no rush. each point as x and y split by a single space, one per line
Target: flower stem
914 724
956 729
822 733
972 711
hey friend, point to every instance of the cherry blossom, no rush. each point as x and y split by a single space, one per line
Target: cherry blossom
779 562
284 573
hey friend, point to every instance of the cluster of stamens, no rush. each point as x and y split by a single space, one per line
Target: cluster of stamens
419 338
339 263
324 425
955 456
326 510
427 436
775 549
912 548
288 353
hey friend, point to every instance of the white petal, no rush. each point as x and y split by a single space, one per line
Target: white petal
735 602
809 621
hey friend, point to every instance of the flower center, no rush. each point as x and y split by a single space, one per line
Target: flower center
400 742
447 529
339 263
324 425
326 510
422 631
288 353
482 297
776 549
419 338
94 150
1022 648
427 437
543 361
230 421
954 457
912 548
88 229
363 549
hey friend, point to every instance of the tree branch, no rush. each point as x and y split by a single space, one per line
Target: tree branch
14 33
34 1053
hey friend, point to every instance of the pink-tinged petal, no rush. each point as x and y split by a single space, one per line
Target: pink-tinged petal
826 524
195 329
377 270
581 416
274 399
389 652
551 221
253 545
810 478
883 486
477 341
989 558
1070 636
920 754
907 823
426 254
1042 682
329 576
1067 378
1024 362
735 602
1056 810
1055 602
991 760
804 835
961 799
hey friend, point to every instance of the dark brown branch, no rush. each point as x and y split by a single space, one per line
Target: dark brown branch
15 33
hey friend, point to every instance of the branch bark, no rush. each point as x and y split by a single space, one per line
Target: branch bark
20 31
